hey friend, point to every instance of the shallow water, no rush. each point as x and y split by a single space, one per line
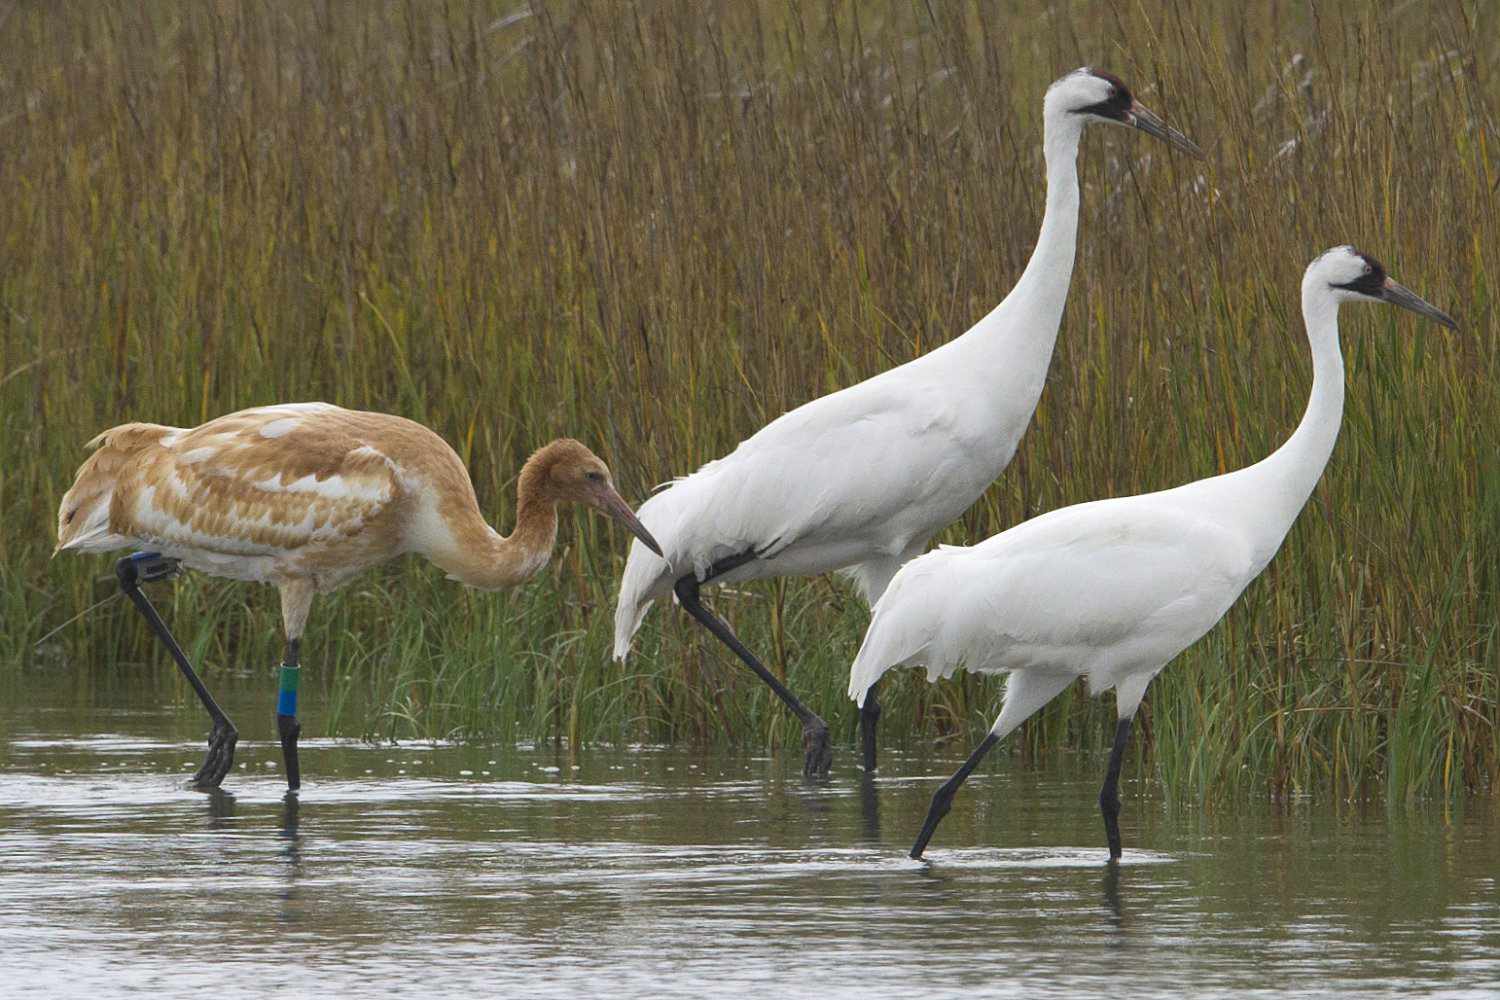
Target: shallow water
462 870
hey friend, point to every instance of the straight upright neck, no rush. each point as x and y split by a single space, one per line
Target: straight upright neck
1280 485
1022 329
1043 288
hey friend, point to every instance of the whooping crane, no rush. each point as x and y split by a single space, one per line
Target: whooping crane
1114 589
860 480
305 496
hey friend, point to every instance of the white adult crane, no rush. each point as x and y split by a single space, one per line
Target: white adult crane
1113 590
860 480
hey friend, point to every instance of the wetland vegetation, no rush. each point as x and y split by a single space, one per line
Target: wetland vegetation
657 226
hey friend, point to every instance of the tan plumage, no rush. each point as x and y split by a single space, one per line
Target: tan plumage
307 495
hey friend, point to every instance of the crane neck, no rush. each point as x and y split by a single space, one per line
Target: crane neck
1042 290
478 556
1280 485
1022 329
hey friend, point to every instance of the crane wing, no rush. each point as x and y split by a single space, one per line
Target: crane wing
261 482
865 470
1085 590
867 473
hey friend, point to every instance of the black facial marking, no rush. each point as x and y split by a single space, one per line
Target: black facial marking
1372 282
1117 105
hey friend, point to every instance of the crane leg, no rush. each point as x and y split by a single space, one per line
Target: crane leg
817 750
287 726
942 799
296 601
1109 795
869 715
143 567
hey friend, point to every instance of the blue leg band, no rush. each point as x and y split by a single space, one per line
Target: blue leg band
286 701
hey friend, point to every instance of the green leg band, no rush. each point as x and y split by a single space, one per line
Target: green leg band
286 703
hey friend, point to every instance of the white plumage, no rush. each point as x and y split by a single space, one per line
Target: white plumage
1103 590
1113 590
862 479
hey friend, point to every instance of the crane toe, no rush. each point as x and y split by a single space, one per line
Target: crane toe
220 757
817 749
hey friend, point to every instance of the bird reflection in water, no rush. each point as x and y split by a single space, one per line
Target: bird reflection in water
220 808
869 808
289 808
290 897
1112 895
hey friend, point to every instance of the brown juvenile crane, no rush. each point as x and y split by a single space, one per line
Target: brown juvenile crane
306 496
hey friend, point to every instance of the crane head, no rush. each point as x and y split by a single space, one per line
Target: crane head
565 471
1358 277
1098 96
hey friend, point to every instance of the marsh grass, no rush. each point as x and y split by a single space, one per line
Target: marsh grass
657 226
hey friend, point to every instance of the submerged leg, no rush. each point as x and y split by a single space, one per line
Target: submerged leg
942 799
1109 795
296 598
869 715
818 752
143 567
1025 692
869 807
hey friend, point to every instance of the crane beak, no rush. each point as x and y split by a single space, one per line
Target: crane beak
1398 294
1147 121
615 506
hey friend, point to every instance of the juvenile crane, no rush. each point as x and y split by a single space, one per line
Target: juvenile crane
1113 590
860 480
306 496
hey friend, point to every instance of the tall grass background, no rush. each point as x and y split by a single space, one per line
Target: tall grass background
656 226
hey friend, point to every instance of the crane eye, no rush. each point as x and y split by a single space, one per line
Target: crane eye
597 477
71 514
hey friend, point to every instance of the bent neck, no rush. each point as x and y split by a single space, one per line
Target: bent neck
1022 329
481 557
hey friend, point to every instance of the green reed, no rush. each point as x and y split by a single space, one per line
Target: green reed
656 226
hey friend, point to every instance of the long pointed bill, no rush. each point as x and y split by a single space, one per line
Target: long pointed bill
615 506
1148 123
1398 294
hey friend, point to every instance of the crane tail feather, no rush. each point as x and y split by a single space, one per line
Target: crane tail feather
83 516
868 667
639 587
904 630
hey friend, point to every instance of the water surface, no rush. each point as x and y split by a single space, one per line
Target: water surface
442 870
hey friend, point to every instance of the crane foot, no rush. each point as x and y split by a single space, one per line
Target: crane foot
220 757
817 749
942 801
